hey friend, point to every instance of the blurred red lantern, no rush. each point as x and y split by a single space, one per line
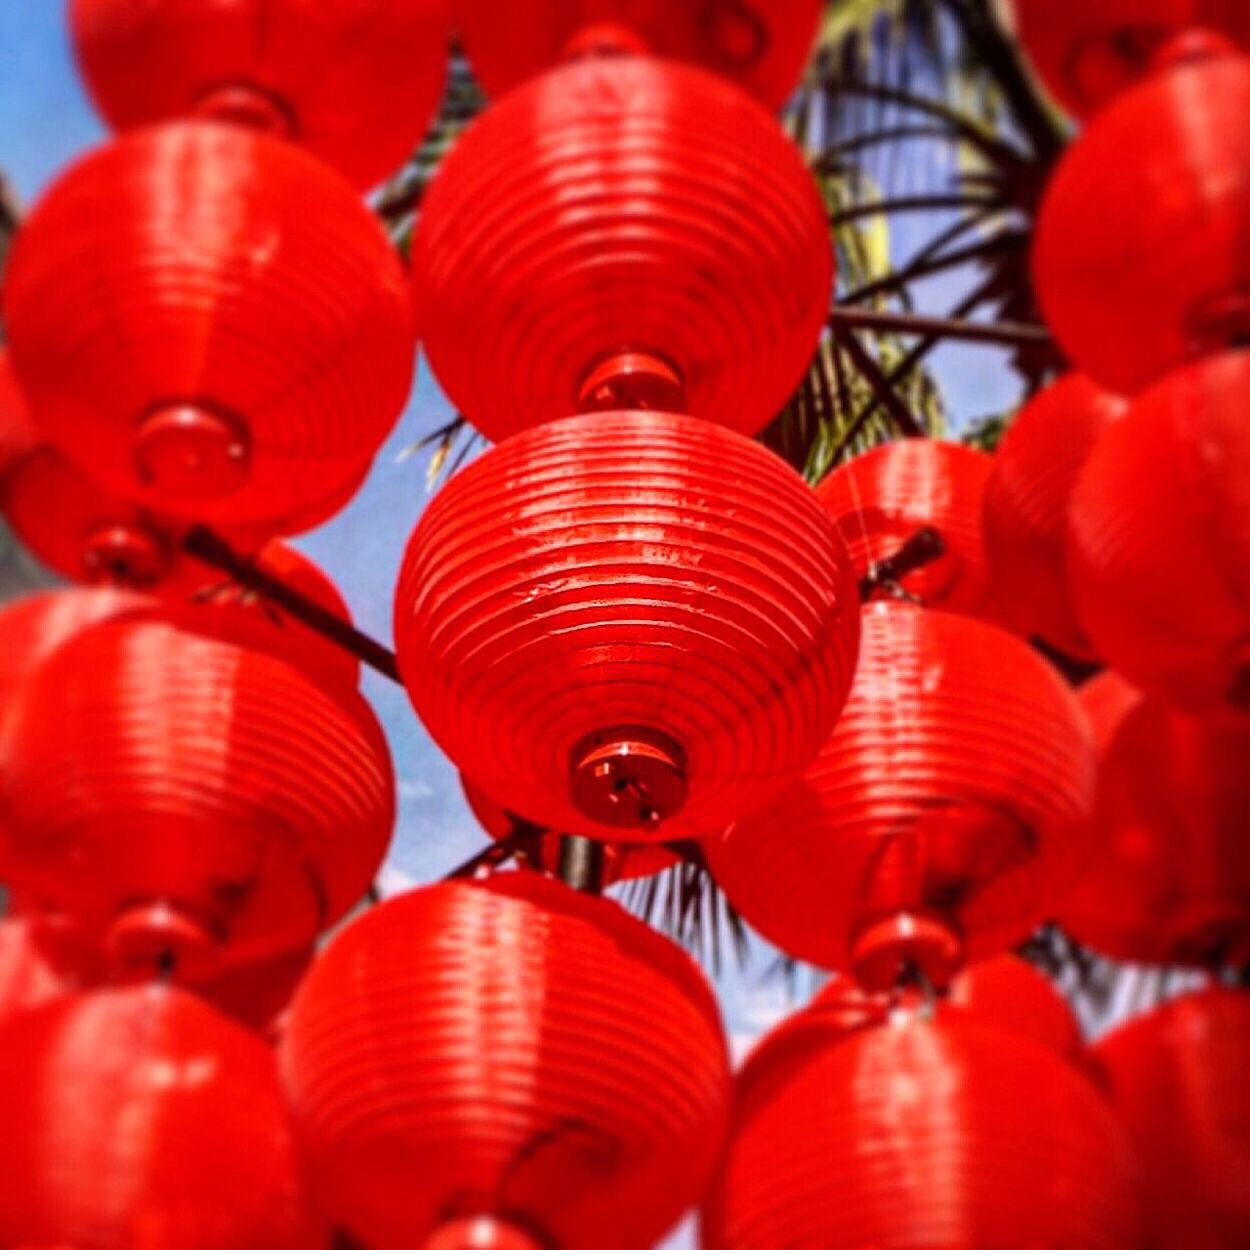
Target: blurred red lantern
629 625
665 247
18 435
1088 53
884 498
1159 538
41 958
542 847
762 46
1178 1080
937 1133
507 1052
355 81
1170 881
203 803
1026 507
942 818
199 342
1139 256
142 1119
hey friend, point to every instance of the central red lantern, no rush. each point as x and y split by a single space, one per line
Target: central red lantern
884 498
200 802
1139 255
1170 882
629 625
1159 538
355 81
1178 1081
142 1120
763 46
944 1134
203 344
622 233
1030 486
942 818
1087 53
510 1055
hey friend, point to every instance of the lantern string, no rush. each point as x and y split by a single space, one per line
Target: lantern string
211 549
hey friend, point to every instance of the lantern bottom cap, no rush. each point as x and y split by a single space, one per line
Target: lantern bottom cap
160 939
125 555
892 950
481 1232
629 777
191 451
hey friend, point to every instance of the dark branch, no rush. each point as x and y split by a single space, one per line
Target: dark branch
1001 334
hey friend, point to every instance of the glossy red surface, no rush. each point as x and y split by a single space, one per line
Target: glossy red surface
946 1134
1026 507
620 863
144 1121
884 497
190 798
355 81
762 46
950 800
507 1048
40 960
1139 255
1170 881
1178 1080
1089 51
622 205
1159 538
230 358
633 570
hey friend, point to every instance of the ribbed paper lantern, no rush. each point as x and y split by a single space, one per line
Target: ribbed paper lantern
32 628
1159 538
944 814
40 959
883 498
1140 258
508 1051
622 233
201 802
946 1134
195 338
620 862
763 46
1026 507
1178 1080
142 1119
1088 53
355 81
629 625
1170 882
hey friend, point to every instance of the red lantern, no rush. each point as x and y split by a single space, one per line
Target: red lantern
32 628
1026 507
629 625
937 1133
542 850
142 1119
40 959
507 1052
942 818
664 247
762 46
199 342
1178 1080
1170 882
1139 257
355 81
884 498
1089 53
202 803
1159 538
18 435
